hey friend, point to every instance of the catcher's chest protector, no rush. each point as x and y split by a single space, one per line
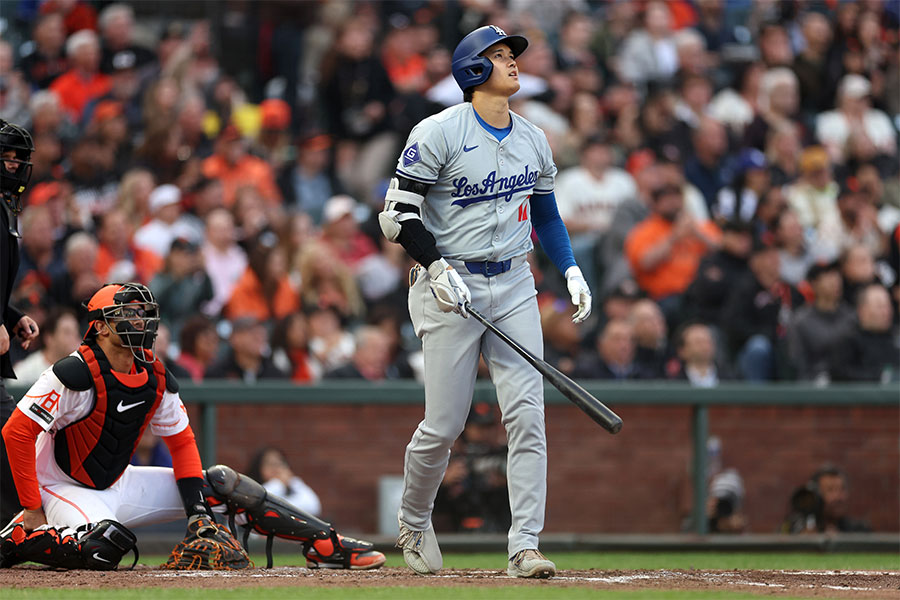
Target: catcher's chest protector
96 449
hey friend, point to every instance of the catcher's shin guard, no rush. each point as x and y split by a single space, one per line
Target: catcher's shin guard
99 547
273 517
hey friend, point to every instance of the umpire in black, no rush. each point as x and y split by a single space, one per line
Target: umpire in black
16 147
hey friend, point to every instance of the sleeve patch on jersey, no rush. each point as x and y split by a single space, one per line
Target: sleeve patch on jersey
42 414
411 155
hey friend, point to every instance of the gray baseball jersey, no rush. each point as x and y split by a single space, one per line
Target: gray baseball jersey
477 208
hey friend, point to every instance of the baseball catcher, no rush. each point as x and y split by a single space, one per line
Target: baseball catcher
70 440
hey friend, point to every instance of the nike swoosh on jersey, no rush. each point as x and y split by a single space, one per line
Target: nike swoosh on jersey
98 557
466 149
123 407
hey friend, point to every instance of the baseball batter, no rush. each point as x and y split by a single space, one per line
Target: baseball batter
470 185
72 435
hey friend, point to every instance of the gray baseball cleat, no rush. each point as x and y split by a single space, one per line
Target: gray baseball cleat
530 563
420 549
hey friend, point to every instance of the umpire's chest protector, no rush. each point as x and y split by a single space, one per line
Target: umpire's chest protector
96 449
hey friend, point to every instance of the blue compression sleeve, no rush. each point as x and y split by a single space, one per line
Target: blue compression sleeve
551 231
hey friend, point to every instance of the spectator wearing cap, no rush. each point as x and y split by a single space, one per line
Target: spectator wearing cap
665 249
756 315
198 345
696 349
264 291
718 273
273 143
44 60
870 352
814 195
704 167
83 81
587 196
125 85
118 259
116 23
235 167
855 117
182 286
224 260
165 209
821 326
246 358
306 185
341 232
618 302
749 183
111 127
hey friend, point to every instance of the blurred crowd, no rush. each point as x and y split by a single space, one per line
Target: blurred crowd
728 175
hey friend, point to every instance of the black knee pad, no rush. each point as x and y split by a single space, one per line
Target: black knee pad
100 549
103 547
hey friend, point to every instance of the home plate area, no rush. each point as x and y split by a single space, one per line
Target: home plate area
824 584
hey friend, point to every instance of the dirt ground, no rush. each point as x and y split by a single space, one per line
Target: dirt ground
813 584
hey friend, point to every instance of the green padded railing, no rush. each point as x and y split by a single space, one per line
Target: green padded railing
210 394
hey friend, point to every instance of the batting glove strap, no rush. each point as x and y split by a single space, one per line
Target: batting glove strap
449 290
580 293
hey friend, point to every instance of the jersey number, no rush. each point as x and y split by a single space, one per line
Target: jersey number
523 212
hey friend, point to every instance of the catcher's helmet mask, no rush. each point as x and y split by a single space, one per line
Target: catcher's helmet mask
16 147
131 312
469 67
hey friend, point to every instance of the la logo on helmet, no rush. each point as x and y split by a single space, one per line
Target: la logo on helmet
497 30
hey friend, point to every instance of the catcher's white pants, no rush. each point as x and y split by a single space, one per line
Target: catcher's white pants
452 346
141 496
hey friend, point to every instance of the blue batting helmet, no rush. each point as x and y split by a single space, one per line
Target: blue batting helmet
469 67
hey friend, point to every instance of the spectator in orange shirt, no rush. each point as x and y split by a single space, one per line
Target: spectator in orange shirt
83 81
264 291
235 167
340 230
665 249
118 259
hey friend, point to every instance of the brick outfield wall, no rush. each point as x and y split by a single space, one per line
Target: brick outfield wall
635 482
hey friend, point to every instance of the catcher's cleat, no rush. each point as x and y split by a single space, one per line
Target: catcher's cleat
340 552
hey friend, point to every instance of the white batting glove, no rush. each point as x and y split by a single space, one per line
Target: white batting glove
449 290
580 292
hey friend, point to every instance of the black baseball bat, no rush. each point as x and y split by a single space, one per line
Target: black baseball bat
596 410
